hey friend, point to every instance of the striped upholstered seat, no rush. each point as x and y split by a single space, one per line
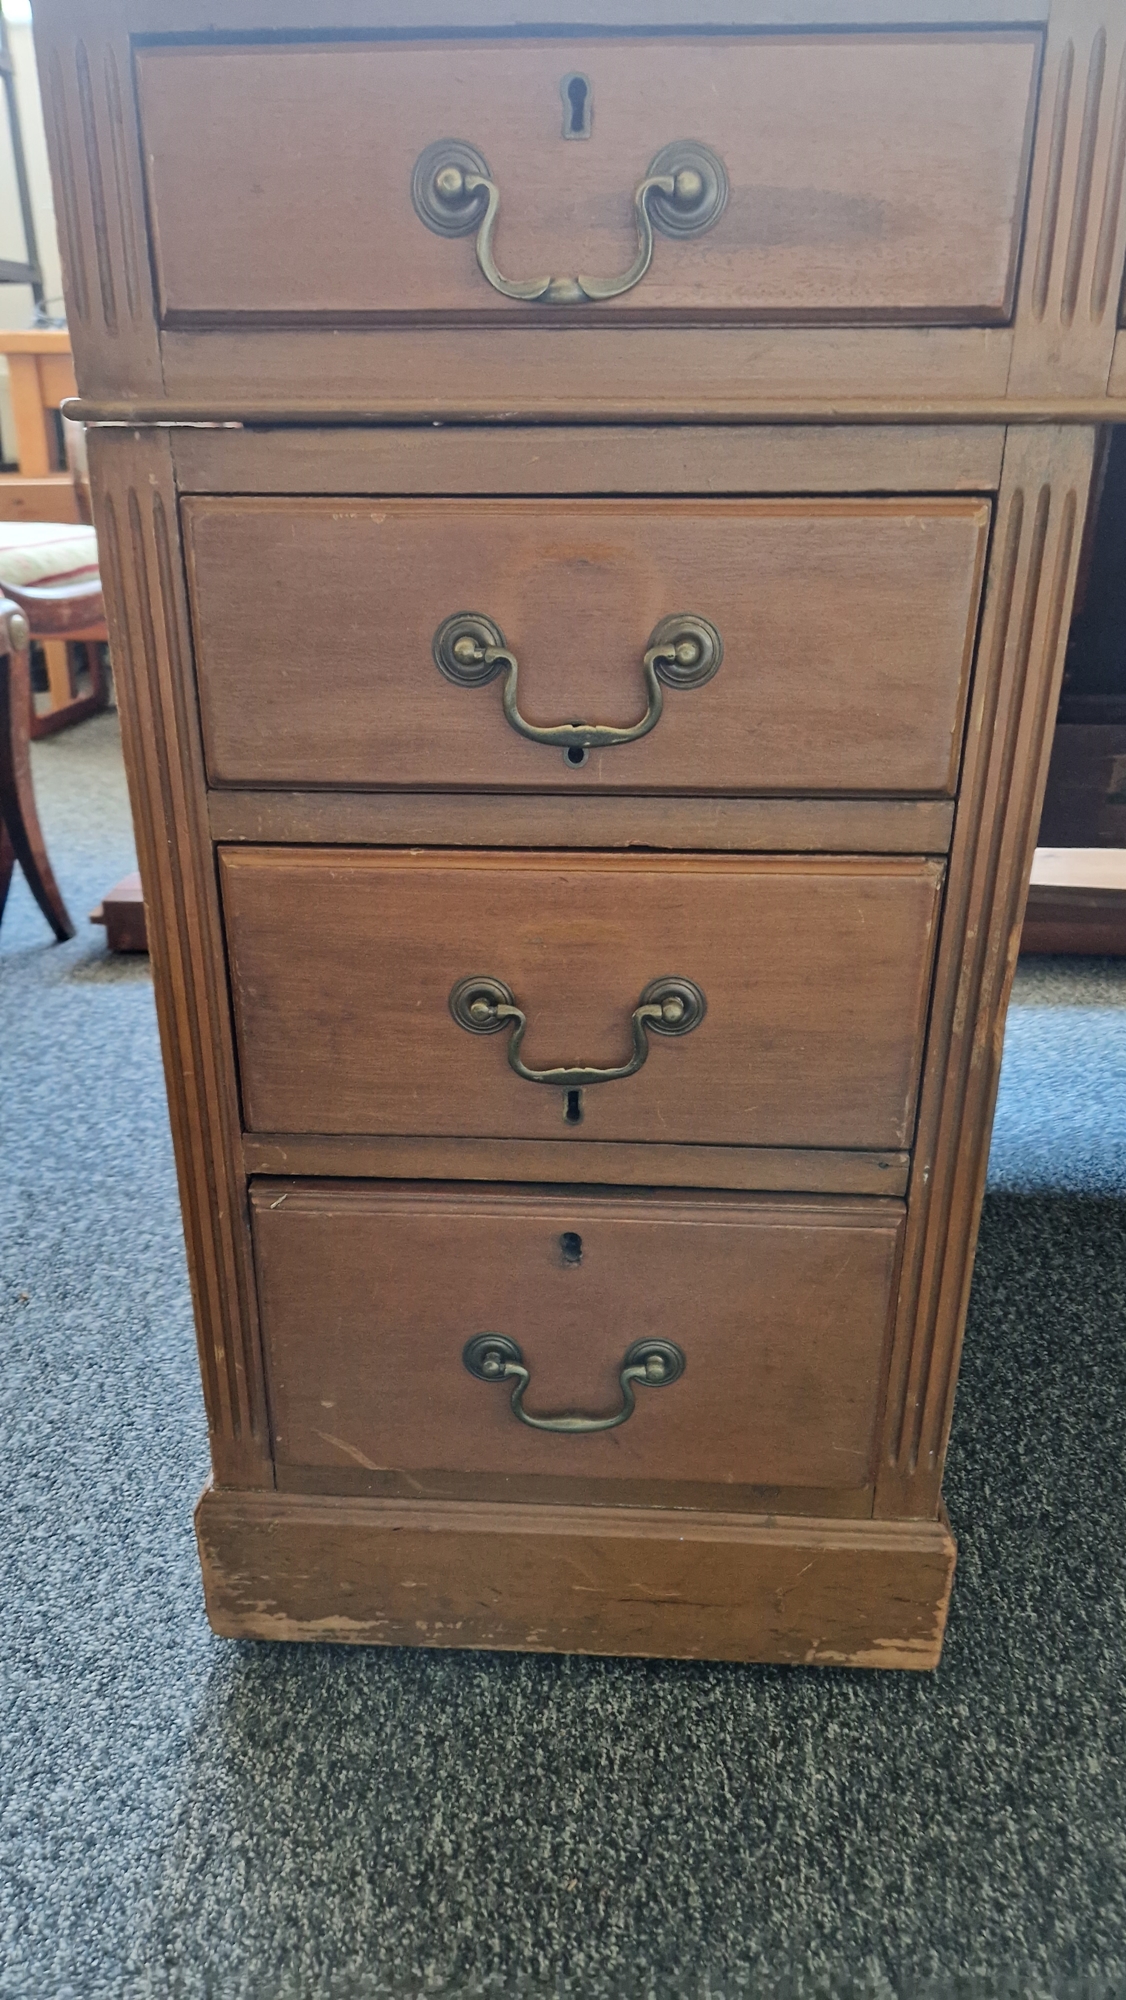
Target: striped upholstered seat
33 553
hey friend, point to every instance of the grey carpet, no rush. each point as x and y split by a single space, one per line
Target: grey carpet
185 1817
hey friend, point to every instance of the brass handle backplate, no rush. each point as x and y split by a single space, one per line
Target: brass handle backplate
493 1357
669 1006
684 651
683 193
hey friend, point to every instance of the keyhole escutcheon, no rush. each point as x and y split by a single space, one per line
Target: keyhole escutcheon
576 94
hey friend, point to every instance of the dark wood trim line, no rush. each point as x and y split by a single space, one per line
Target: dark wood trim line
586 1162
549 820
212 413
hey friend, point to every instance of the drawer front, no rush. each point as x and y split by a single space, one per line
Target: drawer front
867 176
846 627
814 975
370 1293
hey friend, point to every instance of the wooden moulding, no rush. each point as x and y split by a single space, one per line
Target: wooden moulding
662 1584
1050 362
557 459
135 503
1039 525
482 819
762 1169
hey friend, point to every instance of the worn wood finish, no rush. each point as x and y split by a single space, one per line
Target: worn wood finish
1071 274
1036 548
1057 347
824 608
85 73
576 1579
871 177
399 383
495 459
816 976
744 826
784 1375
147 614
767 1169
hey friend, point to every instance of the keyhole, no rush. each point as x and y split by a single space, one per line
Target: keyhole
571 1245
572 1107
575 92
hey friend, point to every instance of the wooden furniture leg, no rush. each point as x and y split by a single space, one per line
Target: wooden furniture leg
24 837
7 863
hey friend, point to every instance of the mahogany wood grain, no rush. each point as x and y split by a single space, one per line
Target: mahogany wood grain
368 1295
816 966
1071 270
673 1584
766 1169
871 177
816 975
1050 362
593 458
85 72
848 630
486 819
1028 600
135 507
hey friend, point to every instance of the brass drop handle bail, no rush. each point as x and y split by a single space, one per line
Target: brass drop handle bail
683 193
684 651
670 1006
493 1357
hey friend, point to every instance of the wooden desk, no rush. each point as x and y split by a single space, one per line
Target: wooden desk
762 480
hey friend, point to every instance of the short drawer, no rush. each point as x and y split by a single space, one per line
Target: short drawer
819 176
371 1293
369 991
833 654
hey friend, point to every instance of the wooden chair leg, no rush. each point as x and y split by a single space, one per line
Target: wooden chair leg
17 800
7 863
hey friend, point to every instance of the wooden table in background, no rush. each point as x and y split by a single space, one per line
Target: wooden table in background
41 376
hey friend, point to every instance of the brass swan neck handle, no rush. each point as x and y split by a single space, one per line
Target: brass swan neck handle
684 651
493 1357
683 193
670 1006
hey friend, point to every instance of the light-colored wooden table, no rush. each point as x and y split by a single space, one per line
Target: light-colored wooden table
41 376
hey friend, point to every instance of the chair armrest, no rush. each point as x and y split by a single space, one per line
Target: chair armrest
54 610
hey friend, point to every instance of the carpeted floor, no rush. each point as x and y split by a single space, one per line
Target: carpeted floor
189 1818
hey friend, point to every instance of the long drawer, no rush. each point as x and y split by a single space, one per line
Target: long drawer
753 1001
844 176
758 1328
812 646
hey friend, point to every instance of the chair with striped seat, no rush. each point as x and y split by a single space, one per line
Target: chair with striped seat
50 589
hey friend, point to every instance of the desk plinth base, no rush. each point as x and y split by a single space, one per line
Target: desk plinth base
550 1579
